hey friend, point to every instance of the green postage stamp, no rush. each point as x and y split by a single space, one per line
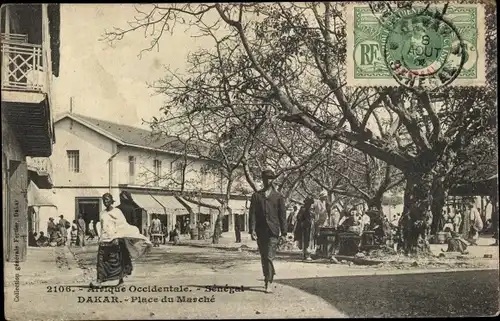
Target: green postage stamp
419 45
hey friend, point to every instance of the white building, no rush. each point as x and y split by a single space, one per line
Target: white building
92 157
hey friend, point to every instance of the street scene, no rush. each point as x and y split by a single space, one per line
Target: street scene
302 289
249 160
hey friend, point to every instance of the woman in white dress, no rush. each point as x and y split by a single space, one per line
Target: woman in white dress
119 243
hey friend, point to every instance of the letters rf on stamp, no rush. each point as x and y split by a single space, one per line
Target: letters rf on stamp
430 45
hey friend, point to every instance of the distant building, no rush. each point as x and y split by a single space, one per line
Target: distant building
30 58
93 156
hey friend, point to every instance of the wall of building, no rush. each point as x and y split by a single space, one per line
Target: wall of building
14 200
195 179
10 145
65 199
95 150
93 179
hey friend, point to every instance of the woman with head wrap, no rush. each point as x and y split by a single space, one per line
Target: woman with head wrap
119 243
129 208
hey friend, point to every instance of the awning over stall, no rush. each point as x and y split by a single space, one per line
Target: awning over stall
148 203
203 209
171 204
158 204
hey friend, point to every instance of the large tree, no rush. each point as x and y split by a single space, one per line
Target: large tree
291 58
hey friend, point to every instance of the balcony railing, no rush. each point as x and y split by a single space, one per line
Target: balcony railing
14 37
41 165
22 65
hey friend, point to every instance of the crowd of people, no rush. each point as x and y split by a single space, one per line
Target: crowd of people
305 223
64 233
452 223
159 234
57 234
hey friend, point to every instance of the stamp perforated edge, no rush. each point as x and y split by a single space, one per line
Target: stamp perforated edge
351 81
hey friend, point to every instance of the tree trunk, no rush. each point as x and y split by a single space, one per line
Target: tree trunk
375 202
415 223
218 225
222 211
439 196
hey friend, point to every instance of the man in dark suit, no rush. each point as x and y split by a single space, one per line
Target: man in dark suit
237 228
267 218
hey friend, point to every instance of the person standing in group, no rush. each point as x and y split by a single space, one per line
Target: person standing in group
51 228
91 230
268 220
292 219
176 232
74 233
155 230
81 231
319 218
457 221
119 243
64 225
305 228
237 228
476 225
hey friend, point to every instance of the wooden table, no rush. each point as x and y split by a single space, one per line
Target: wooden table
327 241
157 236
348 243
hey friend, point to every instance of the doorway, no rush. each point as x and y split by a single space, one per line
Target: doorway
89 207
225 223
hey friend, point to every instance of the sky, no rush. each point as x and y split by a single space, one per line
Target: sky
111 83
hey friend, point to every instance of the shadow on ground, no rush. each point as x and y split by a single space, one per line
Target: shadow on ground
162 256
470 293
175 255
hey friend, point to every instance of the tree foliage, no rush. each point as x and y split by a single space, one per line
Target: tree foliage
288 61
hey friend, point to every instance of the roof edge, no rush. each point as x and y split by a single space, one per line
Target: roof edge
90 126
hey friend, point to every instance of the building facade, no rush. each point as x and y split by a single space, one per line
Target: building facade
30 58
92 157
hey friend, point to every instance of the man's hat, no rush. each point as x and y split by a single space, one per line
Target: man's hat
51 218
268 172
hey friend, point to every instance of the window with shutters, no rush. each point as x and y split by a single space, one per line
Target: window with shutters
157 170
131 169
73 161
179 169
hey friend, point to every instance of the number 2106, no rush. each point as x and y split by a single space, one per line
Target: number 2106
60 288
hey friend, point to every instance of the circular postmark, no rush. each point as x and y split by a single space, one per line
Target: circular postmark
421 49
